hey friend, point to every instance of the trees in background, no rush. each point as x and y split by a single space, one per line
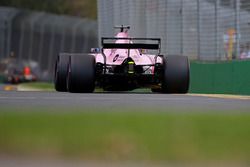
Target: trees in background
81 8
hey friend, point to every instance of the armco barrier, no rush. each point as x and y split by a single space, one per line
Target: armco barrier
229 77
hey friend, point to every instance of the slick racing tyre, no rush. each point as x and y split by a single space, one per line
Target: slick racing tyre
61 71
81 74
175 75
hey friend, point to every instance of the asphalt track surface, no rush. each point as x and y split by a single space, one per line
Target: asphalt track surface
119 100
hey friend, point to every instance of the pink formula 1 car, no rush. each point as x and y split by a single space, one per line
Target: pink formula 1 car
122 64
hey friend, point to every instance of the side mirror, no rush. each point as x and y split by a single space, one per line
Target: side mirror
95 50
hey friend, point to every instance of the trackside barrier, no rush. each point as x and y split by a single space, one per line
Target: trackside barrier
228 77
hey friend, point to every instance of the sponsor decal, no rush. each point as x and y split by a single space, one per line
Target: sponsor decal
115 58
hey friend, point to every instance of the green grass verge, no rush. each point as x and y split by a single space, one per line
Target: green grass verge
46 86
150 136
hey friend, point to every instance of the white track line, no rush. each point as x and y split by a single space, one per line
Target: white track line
222 96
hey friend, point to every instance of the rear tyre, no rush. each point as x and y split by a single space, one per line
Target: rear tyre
60 76
175 75
81 74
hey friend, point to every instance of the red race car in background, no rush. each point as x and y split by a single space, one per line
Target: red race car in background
15 73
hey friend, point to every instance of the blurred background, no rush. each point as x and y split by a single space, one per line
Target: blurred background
36 31
210 30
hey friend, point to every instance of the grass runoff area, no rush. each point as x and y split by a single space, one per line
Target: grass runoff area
48 86
44 86
127 136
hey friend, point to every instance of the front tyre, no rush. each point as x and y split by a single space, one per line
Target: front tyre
81 74
175 75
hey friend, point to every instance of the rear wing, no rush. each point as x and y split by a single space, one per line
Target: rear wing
138 43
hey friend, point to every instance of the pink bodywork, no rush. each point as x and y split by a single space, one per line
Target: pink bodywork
138 57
